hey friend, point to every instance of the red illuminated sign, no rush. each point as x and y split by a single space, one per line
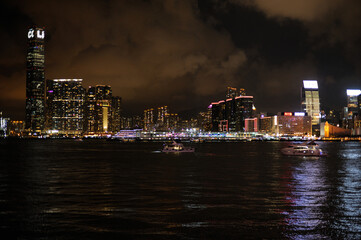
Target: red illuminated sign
288 114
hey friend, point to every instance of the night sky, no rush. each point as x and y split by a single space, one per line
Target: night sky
185 53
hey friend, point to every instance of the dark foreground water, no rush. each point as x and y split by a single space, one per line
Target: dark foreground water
62 189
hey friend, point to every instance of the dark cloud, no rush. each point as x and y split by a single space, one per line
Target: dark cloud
184 53
148 51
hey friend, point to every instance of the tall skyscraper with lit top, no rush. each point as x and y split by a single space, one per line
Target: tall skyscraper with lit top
35 81
311 100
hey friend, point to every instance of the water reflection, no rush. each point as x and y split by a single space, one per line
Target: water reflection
349 206
308 195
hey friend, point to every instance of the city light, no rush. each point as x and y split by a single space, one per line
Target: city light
353 92
310 84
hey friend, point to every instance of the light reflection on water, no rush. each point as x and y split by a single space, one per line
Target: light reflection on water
103 190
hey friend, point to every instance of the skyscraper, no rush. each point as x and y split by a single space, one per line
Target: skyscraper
98 109
311 100
116 114
35 90
352 102
65 101
229 114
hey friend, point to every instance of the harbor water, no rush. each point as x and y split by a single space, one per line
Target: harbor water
95 189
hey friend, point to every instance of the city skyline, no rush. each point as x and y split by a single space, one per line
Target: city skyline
185 53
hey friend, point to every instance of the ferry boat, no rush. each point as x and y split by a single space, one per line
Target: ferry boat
176 147
308 149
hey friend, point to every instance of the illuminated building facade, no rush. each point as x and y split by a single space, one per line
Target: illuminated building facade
35 81
116 114
102 110
229 115
149 121
16 128
251 125
171 121
65 106
205 120
293 123
311 100
352 102
265 124
161 119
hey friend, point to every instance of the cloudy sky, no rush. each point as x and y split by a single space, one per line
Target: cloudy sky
184 53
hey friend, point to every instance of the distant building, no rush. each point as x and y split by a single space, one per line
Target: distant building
229 115
102 110
242 92
251 125
161 121
293 123
311 100
265 124
352 102
329 130
116 114
134 122
16 128
231 92
35 81
205 120
171 121
149 119
4 122
65 106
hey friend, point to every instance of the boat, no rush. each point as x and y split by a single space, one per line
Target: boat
308 149
176 147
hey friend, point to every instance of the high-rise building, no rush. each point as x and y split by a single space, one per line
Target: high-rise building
162 111
90 111
229 114
98 110
65 106
116 114
352 102
171 121
311 100
35 81
149 121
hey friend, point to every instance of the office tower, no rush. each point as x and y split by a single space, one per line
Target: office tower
162 111
149 119
35 90
171 121
352 102
90 111
116 113
311 100
65 103
231 92
98 109
229 115
242 92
